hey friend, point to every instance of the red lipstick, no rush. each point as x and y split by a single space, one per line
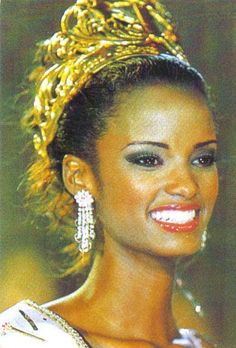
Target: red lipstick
170 221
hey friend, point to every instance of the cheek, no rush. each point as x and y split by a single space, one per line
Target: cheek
210 189
122 193
125 193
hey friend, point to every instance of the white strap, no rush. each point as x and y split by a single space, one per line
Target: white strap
31 326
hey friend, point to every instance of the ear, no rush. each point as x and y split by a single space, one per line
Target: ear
77 175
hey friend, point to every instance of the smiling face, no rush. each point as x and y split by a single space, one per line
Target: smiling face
157 173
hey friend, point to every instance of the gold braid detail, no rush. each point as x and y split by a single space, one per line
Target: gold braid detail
94 33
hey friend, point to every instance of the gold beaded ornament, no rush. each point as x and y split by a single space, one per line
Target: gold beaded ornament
93 34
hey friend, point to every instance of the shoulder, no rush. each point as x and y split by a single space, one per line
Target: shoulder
33 326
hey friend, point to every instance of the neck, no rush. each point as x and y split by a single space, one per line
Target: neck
131 294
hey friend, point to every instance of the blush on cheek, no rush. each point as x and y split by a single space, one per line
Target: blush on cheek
128 196
213 188
122 195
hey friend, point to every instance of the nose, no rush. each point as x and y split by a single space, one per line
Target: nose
181 182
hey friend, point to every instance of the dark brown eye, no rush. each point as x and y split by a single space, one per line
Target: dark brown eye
145 160
204 160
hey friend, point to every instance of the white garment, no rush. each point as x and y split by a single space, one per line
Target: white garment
27 325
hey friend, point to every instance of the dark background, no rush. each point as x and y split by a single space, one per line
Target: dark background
208 33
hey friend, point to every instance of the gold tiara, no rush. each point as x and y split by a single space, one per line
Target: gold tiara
93 34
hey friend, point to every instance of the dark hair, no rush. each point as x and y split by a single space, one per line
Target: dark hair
84 118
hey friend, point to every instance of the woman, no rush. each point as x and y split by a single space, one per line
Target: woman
123 124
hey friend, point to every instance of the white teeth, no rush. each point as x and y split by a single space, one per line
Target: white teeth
174 216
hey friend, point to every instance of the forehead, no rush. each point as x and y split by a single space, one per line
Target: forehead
160 111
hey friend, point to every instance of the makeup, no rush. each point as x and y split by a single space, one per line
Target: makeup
177 217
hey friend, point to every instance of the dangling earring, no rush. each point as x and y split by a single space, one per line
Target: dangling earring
85 221
204 240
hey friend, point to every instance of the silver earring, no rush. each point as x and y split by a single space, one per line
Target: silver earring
204 240
85 221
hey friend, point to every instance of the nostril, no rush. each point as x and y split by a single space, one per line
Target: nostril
183 188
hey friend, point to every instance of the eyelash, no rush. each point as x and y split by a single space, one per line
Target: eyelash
150 160
147 160
205 160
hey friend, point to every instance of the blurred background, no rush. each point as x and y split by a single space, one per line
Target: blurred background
208 33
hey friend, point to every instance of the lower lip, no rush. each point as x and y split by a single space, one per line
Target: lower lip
176 228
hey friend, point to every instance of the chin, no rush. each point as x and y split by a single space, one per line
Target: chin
176 249
186 251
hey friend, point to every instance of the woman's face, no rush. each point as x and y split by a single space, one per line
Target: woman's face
157 174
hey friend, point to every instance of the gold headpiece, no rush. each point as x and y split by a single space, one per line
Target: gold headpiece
93 34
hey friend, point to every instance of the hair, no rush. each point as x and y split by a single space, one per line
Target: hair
84 119
82 122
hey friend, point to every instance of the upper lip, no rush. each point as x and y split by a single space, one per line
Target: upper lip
178 206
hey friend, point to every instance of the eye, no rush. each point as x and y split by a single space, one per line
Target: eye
205 160
145 160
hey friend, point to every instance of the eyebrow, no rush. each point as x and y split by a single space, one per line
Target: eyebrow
166 146
204 143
